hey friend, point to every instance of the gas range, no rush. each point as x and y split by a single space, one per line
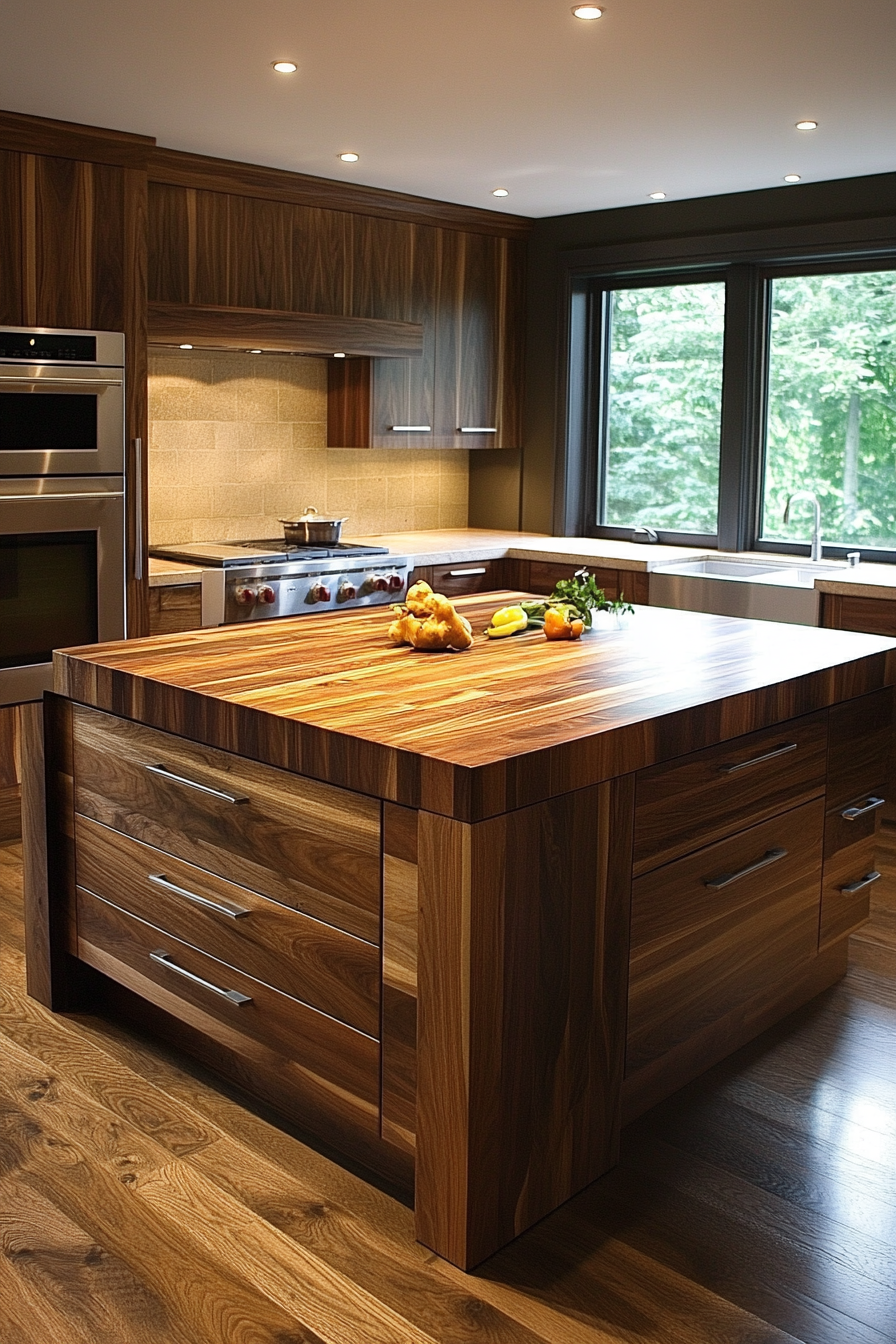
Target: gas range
257 580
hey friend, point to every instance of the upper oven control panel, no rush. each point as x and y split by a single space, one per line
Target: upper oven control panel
44 345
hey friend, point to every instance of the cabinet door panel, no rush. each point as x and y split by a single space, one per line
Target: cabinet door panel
335 1054
477 576
403 390
309 845
302 957
544 574
698 951
842 910
861 745
698 798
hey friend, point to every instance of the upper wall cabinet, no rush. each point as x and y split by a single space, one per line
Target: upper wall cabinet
466 390
461 277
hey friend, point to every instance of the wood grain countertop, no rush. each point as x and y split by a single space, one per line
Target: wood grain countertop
470 735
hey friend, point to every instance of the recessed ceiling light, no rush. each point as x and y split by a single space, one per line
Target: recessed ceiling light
807 125
186 347
657 196
587 11
500 191
285 67
339 354
349 157
792 177
253 352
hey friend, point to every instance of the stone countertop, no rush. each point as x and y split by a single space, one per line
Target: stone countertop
465 545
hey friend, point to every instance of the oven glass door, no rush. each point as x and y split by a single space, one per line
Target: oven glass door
62 580
67 421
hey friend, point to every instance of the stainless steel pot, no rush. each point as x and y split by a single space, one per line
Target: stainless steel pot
311 529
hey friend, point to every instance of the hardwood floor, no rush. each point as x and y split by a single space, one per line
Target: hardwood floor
140 1204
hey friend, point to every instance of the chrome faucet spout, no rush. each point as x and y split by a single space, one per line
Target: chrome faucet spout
815 551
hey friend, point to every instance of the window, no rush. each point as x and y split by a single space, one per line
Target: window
663 407
831 418
699 400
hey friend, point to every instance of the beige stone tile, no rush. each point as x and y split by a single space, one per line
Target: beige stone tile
427 463
310 434
185 365
163 533
346 462
301 401
342 499
284 500
455 462
256 398
399 518
426 516
184 435
165 502
425 491
247 527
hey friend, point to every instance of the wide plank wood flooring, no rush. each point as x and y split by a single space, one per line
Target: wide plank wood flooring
141 1204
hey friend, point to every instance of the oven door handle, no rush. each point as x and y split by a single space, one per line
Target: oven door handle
69 382
49 499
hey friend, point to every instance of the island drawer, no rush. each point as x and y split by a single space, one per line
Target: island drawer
311 961
714 929
860 746
850 876
198 988
689 802
311 846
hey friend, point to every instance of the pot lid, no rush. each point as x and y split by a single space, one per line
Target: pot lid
310 515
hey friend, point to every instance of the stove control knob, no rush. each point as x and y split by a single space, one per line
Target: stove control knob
266 595
245 596
395 582
379 583
347 591
319 593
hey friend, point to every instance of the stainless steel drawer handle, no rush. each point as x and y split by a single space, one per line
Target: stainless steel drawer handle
478 429
867 881
191 784
161 958
49 499
219 907
770 856
464 573
86 383
784 748
853 813
412 429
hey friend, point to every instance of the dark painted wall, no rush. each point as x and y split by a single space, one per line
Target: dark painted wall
525 489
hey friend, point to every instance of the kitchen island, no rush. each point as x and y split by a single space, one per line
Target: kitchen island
460 915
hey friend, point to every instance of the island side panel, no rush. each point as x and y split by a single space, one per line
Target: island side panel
524 927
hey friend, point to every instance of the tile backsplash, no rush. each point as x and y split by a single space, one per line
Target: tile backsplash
237 442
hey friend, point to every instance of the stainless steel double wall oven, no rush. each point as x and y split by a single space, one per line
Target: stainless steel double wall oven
62 500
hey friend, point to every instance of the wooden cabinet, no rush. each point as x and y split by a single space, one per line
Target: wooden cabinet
242 901
720 928
541 576
175 609
10 792
465 391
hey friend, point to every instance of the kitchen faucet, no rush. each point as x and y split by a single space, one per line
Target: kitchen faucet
816 528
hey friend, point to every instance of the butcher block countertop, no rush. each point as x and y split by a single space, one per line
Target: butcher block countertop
470 735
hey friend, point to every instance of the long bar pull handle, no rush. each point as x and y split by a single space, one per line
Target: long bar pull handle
867 881
725 879
86 383
412 429
853 813
192 784
784 748
463 573
68 494
219 907
138 509
478 429
162 958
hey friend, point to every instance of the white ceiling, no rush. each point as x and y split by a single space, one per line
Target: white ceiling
450 98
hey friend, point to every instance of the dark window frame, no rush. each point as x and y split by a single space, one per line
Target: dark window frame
744 382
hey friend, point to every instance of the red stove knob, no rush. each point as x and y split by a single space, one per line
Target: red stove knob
319 593
395 582
245 596
379 584
267 595
347 591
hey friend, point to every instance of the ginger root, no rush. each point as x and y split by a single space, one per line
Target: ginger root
430 621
